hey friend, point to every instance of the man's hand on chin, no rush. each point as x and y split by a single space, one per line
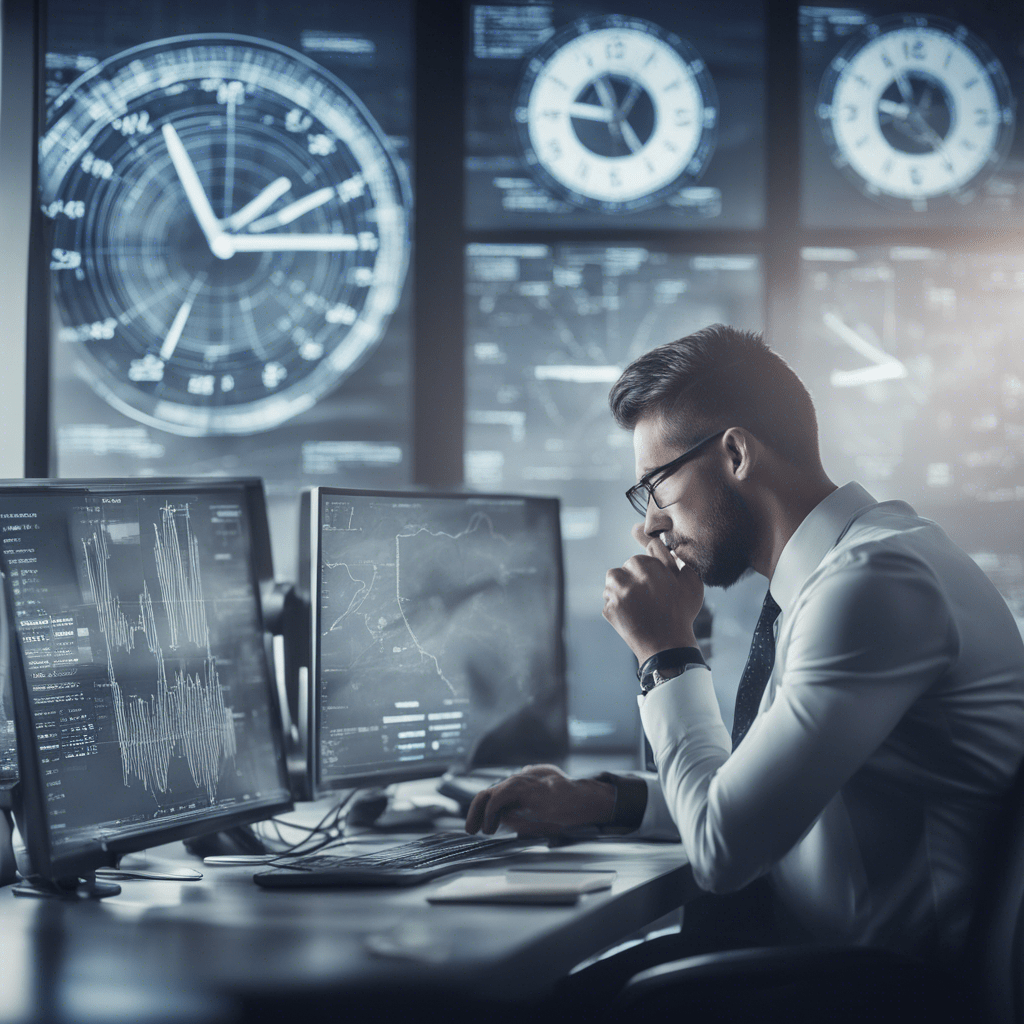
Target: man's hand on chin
651 602
541 800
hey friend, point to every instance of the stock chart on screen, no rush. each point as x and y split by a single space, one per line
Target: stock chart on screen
141 639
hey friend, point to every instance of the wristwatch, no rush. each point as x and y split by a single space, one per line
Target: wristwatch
667 665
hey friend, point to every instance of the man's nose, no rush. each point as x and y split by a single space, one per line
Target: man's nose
656 520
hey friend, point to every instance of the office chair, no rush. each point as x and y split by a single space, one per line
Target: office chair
847 984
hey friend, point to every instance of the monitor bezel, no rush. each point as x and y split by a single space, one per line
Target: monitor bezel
30 804
407 771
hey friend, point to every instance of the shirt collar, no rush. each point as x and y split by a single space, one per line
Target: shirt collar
820 531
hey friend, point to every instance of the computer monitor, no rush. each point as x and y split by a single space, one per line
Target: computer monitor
436 637
144 701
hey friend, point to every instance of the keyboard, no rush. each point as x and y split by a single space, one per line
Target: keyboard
438 854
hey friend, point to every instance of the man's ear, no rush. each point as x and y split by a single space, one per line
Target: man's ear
741 447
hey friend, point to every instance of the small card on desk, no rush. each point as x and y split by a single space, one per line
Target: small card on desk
547 888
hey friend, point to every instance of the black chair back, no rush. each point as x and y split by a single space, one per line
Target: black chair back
995 948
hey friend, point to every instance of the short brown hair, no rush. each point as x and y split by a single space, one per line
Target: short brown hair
715 378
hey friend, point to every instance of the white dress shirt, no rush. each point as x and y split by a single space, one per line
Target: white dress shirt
892 725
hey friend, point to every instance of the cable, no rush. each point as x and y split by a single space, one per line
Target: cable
329 829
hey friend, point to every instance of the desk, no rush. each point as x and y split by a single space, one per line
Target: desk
203 951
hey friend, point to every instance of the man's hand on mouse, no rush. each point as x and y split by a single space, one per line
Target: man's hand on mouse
652 602
541 800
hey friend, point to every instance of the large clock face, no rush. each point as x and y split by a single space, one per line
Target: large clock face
614 114
230 231
916 109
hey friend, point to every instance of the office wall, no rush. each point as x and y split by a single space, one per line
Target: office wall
15 188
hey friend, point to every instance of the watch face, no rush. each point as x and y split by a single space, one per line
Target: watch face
916 109
615 113
230 231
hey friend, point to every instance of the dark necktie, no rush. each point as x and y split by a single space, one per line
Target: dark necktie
756 671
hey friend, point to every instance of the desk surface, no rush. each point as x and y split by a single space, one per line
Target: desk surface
199 950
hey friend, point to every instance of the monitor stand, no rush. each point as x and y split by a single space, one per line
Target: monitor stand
79 889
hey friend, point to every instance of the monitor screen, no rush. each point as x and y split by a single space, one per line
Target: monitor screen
437 627
588 115
226 191
908 114
142 664
913 357
549 329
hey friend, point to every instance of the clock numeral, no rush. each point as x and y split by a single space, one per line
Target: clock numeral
321 144
201 384
615 50
352 188
887 166
273 374
227 92
73 209
583 170
554 150
886 62
368 241
133 124
341 314
552 114
915 50
970 83
297 121
92 164
683 118
101 330
850 112
65 259
147 370
227 383
362 277
982 118
310 350
614 179
916 176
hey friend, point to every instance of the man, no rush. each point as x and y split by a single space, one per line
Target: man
880 717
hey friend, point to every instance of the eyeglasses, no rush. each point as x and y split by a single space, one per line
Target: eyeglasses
643 492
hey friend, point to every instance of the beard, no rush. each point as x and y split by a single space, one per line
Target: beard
723 549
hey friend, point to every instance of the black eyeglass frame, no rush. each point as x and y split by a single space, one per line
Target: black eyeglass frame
647 483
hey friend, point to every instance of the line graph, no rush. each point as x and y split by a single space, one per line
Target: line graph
187 715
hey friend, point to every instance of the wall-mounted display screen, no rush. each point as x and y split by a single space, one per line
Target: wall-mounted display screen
914 359
910 118
591 115
227 197
548 331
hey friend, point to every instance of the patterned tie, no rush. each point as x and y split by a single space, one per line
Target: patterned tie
756 671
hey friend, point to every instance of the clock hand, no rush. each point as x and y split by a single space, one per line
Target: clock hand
606 95
630 137
590 112
896 109
905 88
293 243
631 98
195 194
178 324
263 202
294 210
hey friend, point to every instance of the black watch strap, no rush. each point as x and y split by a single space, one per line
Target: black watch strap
675 657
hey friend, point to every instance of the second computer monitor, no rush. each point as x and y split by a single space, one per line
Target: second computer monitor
436 634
